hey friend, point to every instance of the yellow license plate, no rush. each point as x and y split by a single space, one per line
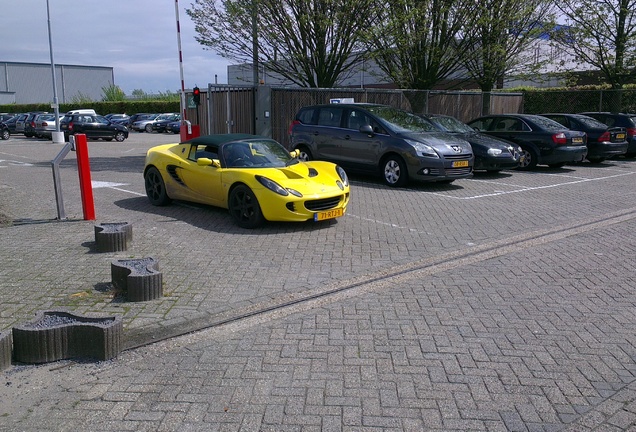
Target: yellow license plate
460 164
329 214
620 136
577 140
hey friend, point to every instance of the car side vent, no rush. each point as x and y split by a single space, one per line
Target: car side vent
313 172
172 170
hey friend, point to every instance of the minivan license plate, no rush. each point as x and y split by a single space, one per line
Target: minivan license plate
329 214
460 164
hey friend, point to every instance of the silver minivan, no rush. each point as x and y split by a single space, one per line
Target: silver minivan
380 140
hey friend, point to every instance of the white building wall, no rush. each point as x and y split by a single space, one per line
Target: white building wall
33 82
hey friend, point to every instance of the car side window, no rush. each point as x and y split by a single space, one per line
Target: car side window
356 119
306 116
202 151
330 116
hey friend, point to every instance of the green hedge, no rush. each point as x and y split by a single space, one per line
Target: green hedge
128 107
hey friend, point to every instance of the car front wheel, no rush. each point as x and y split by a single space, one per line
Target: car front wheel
120 136
244 207
394 171
149 128
5 135
156 188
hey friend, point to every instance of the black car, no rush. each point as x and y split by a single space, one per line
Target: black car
543 141
378 139
161 123
603 142
174 127
93 126
4 131
628 121
491 154
11 123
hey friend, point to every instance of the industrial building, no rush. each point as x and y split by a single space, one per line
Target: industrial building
25 83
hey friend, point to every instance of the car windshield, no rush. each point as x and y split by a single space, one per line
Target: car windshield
451 124
402 121
257 154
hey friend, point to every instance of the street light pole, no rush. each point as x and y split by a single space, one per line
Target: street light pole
57 136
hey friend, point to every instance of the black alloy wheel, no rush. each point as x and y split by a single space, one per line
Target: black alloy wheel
156 188
244 207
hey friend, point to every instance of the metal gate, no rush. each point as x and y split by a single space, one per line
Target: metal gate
229 109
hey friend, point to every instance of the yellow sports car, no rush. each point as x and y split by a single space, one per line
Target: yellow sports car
254 177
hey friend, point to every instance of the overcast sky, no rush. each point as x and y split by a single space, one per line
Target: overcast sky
137 38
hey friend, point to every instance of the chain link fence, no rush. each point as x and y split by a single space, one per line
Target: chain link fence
575 101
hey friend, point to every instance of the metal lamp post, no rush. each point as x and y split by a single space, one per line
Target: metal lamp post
57 136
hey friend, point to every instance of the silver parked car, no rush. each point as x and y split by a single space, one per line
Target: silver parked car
45 125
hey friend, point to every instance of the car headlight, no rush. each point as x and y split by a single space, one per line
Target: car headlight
423 150
343 176
272 185
494 151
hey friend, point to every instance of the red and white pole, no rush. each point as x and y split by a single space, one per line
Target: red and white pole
84 170
183 99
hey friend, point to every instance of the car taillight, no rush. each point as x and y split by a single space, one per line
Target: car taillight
294 123
631 132
70 126
32 124
604 137
559 138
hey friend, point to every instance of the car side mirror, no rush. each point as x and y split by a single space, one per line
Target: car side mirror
367 129
295 153
209 162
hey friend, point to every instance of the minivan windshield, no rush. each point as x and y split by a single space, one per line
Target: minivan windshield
402 121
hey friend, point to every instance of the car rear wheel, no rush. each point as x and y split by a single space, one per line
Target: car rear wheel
305 153
5 135
596 159
120 136
156 188
394 171
244 207
529 159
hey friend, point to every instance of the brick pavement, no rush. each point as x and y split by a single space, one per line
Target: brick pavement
448 312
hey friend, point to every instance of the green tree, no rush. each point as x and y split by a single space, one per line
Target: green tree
601 34
312 43
498 39
414 42
113 93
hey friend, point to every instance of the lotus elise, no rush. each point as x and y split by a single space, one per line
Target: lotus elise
252 176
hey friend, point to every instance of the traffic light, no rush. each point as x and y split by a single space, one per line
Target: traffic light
196 95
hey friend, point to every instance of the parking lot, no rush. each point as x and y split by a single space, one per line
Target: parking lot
500 302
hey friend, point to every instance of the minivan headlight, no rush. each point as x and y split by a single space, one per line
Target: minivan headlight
423 150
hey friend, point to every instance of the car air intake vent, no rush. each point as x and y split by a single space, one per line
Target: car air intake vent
322 204
172 170
461 156
458 171
313 172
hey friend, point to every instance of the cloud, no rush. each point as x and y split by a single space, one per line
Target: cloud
138 38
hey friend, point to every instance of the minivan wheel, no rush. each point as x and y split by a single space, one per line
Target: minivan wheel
394 171
305 154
